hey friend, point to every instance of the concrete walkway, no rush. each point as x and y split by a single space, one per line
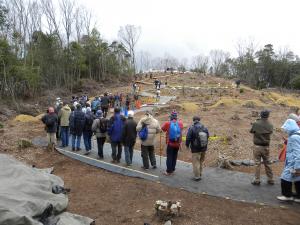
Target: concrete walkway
215 182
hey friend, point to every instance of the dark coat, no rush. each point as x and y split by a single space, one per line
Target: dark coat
129 132
78 122
115 127
262 130
192 135
54 124
89 119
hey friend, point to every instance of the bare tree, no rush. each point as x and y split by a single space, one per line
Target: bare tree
200 63
218 57
67 10
79 20
129 36
87 20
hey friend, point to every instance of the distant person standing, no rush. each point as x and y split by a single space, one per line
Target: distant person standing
262 130
64 117
173 129
115 127
104 104
197 140
150 127
129 137
51 122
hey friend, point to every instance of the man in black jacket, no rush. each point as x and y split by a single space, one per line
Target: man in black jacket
129 137
197 140
78 120
51 122
104 104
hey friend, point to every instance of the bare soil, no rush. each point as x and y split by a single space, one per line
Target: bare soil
114 199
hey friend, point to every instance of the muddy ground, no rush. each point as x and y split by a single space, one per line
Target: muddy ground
114 199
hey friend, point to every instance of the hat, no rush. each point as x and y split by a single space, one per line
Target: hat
88 109
293 116
173 115
99 113
51 110
130 113
196 118
265 114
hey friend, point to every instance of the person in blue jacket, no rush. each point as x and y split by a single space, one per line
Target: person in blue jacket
291 171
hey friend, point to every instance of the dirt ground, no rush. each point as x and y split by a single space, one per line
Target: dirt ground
114 199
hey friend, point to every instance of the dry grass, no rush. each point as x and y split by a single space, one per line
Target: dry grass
26 118
284 100
190 107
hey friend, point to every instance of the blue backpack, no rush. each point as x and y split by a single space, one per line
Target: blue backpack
143 133
174 132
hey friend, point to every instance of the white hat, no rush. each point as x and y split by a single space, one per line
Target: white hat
130 113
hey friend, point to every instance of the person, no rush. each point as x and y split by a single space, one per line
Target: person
197 140
87 130
51 122
104 104
115 128
147 145
64 116
157 95
173 130
117 102
156 83
238 83
58 107
291 171
78 121
95 104
262 130
129 137
99 127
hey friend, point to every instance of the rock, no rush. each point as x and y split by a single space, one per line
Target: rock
166 210
168 222
224 162
235 117
24 143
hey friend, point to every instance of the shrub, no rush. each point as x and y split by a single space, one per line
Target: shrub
242 90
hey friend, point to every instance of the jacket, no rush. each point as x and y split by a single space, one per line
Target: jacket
166 128
153 129
191 136
64 116
115 127
104 101
129 132
89 119
78 122
96 127
262 130
292 161
53 117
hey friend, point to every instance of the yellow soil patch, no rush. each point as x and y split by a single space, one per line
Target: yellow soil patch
190 107
27 118
233 101
284 100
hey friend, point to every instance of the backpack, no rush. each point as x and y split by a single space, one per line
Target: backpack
201 139
143 133
89 120
174 132
102 125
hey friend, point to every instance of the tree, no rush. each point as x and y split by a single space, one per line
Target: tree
218 57
129 36
200 64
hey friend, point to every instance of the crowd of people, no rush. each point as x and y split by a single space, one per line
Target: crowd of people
81 119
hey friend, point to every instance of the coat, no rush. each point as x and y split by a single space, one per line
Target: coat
166 128
153 129
262 130
53 127
64 116
96 127
78 121
115 128
129 132
292 161
89 119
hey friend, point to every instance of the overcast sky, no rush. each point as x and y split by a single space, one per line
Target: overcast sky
184 28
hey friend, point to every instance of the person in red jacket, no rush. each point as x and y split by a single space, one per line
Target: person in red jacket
173 130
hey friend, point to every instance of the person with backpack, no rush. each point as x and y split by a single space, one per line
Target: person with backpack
291 171
99 127
197 140
51 122
173 130
78 122
129 137
115 128
95 104
105 104
64 116
147 129
87 130
262 130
